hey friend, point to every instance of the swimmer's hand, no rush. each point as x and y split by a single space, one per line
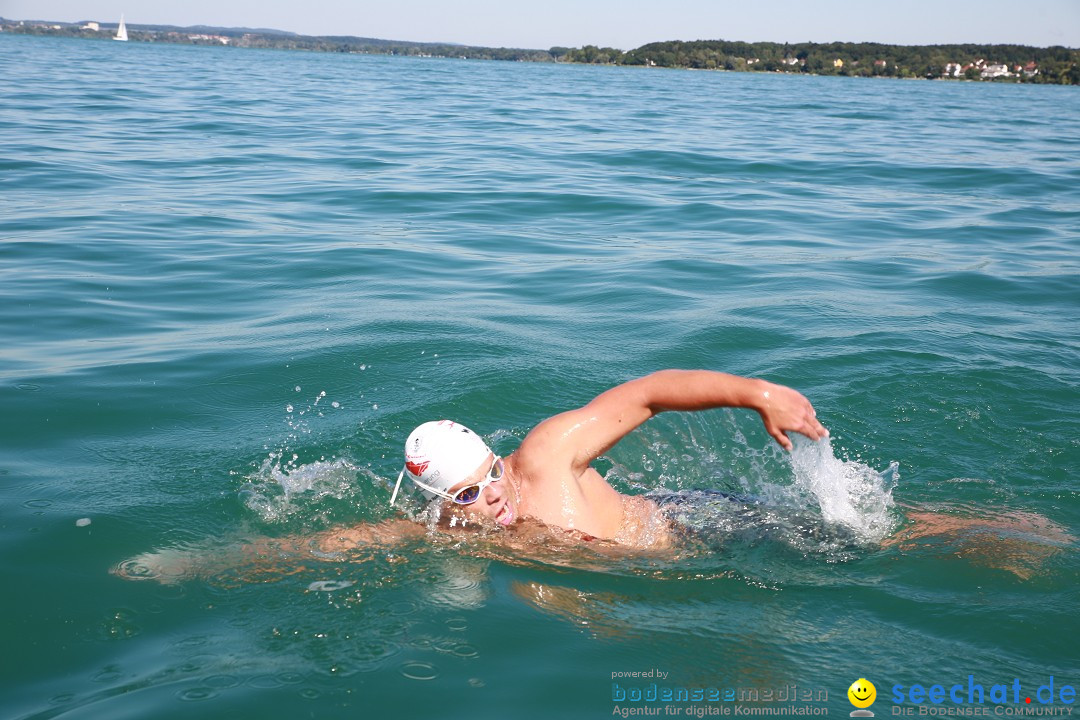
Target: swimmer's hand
168 566
785 410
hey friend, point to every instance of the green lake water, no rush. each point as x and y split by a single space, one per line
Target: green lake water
232 281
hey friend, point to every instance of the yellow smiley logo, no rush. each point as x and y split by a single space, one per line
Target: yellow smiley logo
862 693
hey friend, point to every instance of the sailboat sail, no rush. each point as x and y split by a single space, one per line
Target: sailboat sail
121 32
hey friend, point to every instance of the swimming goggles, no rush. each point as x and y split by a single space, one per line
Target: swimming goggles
470 494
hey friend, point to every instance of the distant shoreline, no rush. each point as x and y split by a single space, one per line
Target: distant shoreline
997 63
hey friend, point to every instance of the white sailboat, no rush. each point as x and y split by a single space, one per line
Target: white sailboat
121 32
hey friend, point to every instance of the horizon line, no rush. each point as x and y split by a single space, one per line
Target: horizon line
507 47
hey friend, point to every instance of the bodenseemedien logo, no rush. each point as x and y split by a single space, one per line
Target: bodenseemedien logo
862 695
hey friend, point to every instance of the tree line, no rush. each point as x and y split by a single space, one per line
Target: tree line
1057 65
1054 64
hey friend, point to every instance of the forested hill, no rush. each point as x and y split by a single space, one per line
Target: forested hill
1003 63
1031 64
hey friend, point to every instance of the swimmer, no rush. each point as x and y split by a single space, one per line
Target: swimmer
548 489
550 479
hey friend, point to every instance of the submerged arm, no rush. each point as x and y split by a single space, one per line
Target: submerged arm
264 558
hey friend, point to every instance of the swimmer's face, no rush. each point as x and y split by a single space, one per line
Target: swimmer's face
496 503
862 693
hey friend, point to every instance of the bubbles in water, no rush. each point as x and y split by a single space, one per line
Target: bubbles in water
459 582
290 678
371 652
330 585
221 681
196 694
403 608
121 624
417 670
265 681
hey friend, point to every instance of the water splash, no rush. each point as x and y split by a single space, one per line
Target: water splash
809 500
848 492
277 492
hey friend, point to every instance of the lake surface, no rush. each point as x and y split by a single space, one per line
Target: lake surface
232 281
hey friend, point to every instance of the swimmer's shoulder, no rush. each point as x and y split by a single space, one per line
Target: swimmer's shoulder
644 526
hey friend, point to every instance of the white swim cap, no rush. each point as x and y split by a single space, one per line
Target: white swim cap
440 454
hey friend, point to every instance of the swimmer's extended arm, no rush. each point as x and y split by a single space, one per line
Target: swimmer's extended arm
385 533
583 435
265 558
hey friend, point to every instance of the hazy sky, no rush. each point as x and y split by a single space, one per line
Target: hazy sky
623 24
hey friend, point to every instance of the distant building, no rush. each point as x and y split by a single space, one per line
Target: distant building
91 26
995 71
1031 69
954 70
209 38
838 63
